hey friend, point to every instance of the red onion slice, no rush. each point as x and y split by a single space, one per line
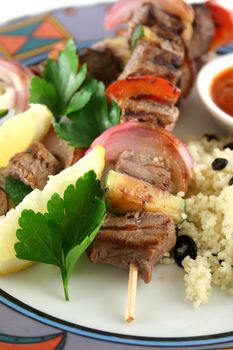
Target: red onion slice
7 96
156 141
17 77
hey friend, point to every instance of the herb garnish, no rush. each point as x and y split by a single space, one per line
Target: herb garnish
137 34
60 236
16 189
66 91
3 113
61 80
90 121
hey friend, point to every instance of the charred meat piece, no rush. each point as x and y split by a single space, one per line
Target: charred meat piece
148 59
149 15
139 238
143 17
33 168
148 110
203 32
167 21
101 64
189 72
106 59
3 202
118 45
59 148
145 167
169 41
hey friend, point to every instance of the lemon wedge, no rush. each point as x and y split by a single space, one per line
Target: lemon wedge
37 201
21 130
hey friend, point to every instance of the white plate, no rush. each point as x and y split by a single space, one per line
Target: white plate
98 292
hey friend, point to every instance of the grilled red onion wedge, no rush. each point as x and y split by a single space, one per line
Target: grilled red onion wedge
15 81
155 141
123 9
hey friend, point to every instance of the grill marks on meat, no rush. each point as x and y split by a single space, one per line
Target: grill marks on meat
185 58
150 59
203 32
33 168
148 15
142 237
170 42
139 238
160 53
145 167
3 202
146 110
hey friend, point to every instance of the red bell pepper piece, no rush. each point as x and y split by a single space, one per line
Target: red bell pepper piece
147 86
223 19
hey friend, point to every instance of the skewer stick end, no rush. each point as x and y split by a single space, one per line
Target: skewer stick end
132 289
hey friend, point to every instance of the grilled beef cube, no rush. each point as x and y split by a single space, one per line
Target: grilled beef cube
189 72
3 202
145 167
203 32
33 168
148 59
169 41
143 17
148 110
140 238
102 65
168 22
106 59
150 15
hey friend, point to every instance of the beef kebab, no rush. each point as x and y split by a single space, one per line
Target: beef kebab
175 40
150 164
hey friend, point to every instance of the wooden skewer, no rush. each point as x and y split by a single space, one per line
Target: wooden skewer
132 291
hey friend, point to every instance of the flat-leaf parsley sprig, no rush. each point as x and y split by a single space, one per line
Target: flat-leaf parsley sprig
67 92
60 236
90 121
59 85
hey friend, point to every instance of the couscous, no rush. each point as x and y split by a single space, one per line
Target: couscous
209 208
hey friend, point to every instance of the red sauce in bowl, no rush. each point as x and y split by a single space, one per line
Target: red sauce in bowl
222 91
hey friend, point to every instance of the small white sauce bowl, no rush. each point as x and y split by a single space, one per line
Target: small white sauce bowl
204 83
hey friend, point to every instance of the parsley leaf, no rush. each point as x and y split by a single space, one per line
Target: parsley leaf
91 120
60 236
45 93
66 91
137 34
3 112
61 80
16 189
